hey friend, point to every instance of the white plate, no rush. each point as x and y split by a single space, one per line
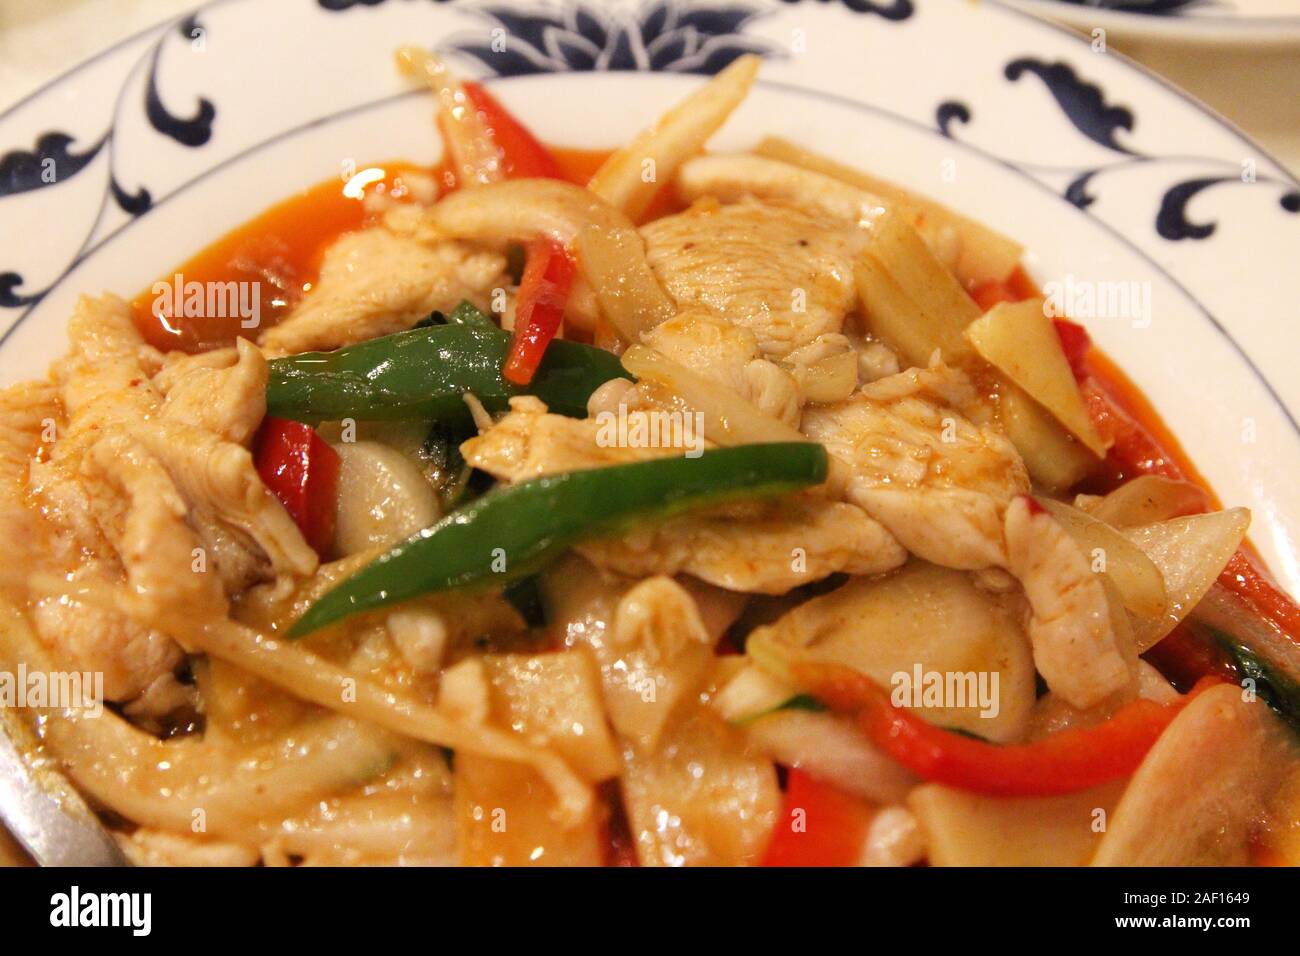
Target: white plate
1208 22
164 142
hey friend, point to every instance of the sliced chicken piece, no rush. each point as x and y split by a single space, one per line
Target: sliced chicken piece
96 623
104 388
29 411
223 392
783 273
876 360
375 282
768 547
102 379
529 442
739 176
95 637
769 550
733 176
728 354
218 478
89 637
239 561
189 433
143 514
936 480
936 382
1075 644
145 494
26 410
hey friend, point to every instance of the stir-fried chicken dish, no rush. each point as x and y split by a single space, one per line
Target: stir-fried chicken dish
653 507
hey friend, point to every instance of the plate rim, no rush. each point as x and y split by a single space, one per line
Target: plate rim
1016 8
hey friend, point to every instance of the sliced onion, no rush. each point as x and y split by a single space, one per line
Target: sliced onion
1145 499
1191 553
611 254
832 749
629 294
1134 575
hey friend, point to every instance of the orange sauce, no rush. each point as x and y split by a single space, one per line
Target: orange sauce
1121 390
280 249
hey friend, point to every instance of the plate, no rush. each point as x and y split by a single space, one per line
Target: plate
1116 183
1216 22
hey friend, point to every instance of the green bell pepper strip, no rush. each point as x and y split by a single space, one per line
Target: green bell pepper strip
424 374
514 530
466 314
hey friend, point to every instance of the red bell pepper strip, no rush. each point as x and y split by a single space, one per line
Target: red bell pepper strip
1065 762
548 272
1075 343
820 825
1244 578
539 307
523 155
302 471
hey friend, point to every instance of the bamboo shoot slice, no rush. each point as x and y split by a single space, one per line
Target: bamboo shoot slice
1019 340
922 306
1055 460
966 829
554 701
630 177
922 618
705 797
